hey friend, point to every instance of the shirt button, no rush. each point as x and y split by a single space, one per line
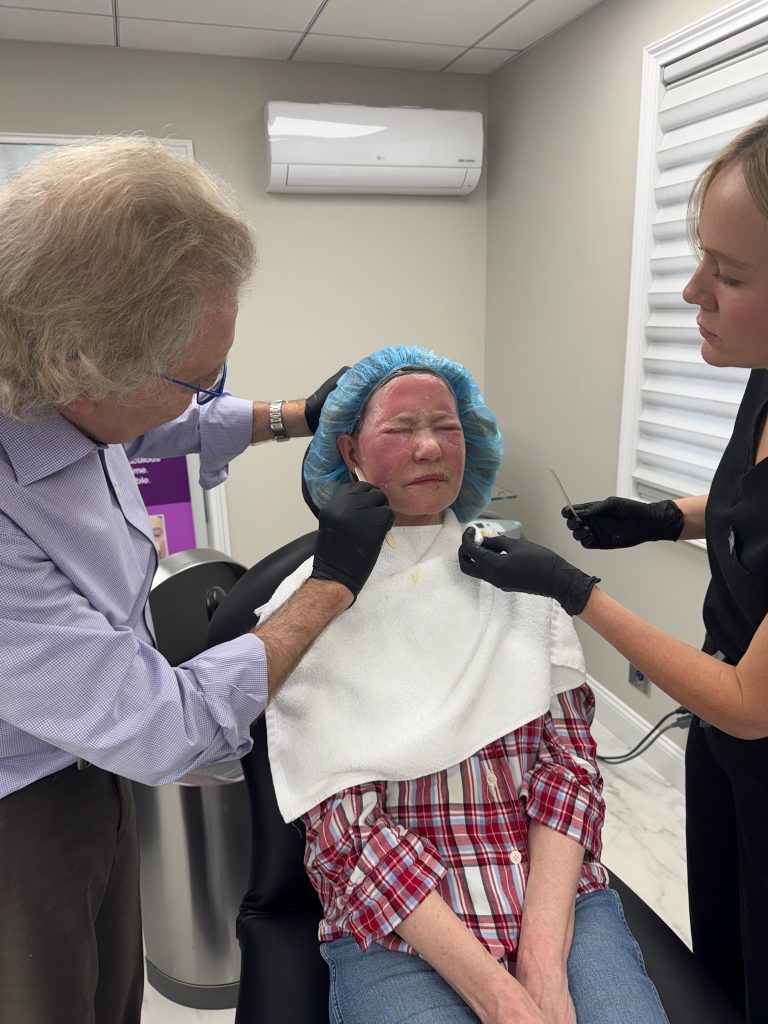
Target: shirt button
491 779
515 857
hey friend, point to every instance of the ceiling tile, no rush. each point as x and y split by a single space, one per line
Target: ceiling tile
178 37
69 6
56 27
481 61
293 15
375 52
453 22
535 21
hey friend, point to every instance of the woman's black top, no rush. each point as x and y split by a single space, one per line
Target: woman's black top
737 531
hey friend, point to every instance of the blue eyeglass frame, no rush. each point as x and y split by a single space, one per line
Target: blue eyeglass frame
203 395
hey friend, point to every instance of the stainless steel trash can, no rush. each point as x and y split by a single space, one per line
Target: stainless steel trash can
194 834
195 857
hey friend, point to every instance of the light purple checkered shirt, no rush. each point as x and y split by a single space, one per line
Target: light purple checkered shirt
80 676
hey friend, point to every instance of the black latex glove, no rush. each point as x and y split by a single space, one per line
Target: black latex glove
622 523
352 529
526 568
314 404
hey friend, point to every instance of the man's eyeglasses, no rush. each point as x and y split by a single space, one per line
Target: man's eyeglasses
204 395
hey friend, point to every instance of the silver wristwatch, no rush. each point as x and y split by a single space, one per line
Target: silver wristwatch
276 421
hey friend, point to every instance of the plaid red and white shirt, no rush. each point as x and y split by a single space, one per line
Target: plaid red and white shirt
375 851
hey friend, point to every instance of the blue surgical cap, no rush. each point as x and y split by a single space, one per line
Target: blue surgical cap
325 470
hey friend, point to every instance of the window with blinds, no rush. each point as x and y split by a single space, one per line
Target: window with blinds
678 411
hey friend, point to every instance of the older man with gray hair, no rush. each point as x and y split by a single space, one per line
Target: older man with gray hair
121 267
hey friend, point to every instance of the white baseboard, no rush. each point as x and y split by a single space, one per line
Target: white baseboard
630 727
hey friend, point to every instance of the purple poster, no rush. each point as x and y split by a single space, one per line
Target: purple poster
164 486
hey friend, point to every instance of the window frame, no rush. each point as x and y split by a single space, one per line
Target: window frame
707 31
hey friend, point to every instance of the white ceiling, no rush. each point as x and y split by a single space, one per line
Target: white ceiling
468 36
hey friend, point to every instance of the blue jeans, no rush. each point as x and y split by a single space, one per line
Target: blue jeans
606 977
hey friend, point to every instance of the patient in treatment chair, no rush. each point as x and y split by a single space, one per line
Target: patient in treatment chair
436 744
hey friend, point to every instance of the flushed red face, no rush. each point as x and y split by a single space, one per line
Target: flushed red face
411 446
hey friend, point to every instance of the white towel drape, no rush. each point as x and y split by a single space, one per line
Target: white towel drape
427 667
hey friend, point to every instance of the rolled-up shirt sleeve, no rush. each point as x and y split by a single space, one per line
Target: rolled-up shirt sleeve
564 789
217 431
370 872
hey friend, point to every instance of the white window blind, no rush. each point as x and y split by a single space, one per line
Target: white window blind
678 411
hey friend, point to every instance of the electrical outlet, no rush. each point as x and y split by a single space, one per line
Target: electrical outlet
639 680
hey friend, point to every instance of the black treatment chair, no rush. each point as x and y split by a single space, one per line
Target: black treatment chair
283 979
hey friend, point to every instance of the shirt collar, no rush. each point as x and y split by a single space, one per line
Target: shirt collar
43 445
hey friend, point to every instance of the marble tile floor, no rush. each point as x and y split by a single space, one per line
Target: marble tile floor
644 833
644 842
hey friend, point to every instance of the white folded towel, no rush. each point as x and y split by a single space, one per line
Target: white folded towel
427 667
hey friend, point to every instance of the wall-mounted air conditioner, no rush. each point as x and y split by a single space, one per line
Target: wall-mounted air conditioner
340 147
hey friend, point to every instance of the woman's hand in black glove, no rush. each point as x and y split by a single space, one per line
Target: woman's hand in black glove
623 523
519 565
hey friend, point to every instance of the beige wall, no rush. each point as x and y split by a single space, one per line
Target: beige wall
340 276
563 127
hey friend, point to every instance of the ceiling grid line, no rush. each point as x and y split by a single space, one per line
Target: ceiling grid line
208 24
379 39
307 30
53 10
476 44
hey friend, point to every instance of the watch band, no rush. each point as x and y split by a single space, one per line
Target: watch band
276 421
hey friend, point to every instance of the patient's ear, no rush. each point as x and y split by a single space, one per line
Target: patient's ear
348 451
